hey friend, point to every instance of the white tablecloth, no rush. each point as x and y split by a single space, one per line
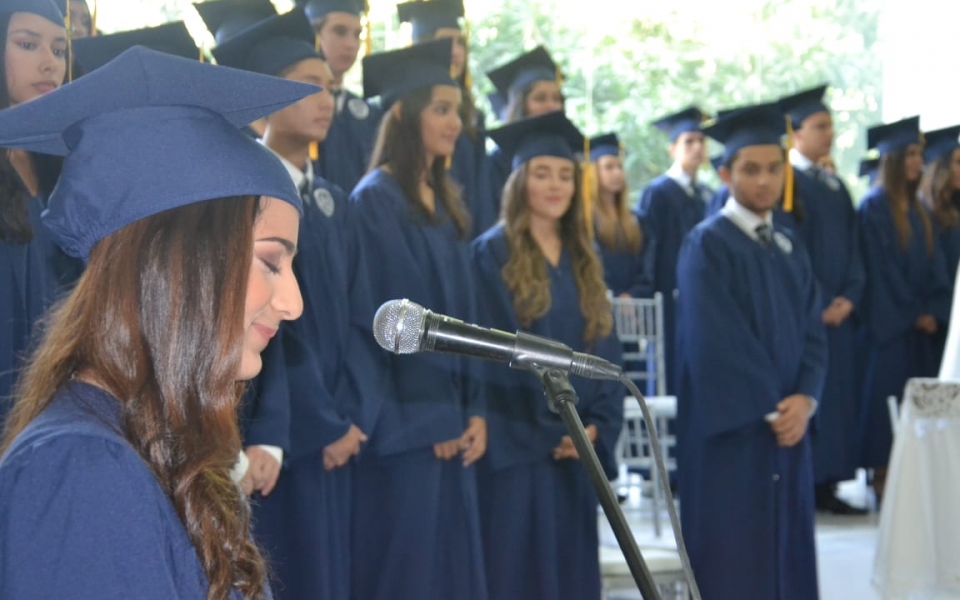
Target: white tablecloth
918 552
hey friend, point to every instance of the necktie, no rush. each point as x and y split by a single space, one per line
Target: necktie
764 234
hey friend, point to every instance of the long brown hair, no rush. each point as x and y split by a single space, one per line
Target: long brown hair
525 273
156 320
903 197
618 232
400 144
937 193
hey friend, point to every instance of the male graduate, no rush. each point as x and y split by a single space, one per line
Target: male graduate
345 153
753 357
304 522
829 233
670 207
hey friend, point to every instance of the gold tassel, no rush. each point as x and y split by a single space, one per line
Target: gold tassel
68 27
788 182
93 19
314 151
467 77
559 78
368 34
316 42
586 187
201 58
448 163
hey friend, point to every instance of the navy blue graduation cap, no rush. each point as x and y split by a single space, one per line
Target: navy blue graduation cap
316 10
392 75
893 136
941 142
146 133
869 167
427 17
226 18
536 65
171 38
48 9
801 105
607 144
270 46
685 121
552 134
758 125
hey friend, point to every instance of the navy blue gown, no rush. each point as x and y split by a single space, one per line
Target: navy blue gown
539 515
750 334
415 522
499 167
346 151
902 285
304 524
627 272
950 242
34 276
829 234
104 528
470 170
668 213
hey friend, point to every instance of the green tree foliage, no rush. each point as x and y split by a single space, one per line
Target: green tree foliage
645 67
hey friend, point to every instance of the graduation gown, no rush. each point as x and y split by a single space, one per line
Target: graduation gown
105 528
950 242
416 521
668 213
346 151
749 334
500 166
902 285
304 524
469 168
627 272
829 234
539 515
33 276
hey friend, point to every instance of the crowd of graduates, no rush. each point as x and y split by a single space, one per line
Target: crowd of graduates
791 311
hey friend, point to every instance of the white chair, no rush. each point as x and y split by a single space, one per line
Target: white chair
639 325
664 566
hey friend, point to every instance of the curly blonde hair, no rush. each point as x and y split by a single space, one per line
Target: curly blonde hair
525 273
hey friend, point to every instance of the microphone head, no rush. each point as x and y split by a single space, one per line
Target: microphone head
398 326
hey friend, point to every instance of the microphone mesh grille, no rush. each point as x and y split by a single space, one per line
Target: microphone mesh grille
397 326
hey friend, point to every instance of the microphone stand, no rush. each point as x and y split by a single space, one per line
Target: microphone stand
562 399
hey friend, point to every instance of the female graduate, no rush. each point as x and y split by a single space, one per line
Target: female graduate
33 55
620 238
940 190
125 421
345 152
304 522
529 85
907 297
441 18
416 523
539 272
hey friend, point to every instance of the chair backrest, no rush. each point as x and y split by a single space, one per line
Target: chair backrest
639 325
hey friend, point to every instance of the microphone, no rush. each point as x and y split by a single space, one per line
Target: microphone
405 327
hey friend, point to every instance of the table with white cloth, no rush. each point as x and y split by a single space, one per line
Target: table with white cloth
918 551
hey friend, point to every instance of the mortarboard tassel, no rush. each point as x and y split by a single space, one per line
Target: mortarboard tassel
314 151
316 42
467 78
788 181
67 26
93 19
559 78
586 187
368 34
